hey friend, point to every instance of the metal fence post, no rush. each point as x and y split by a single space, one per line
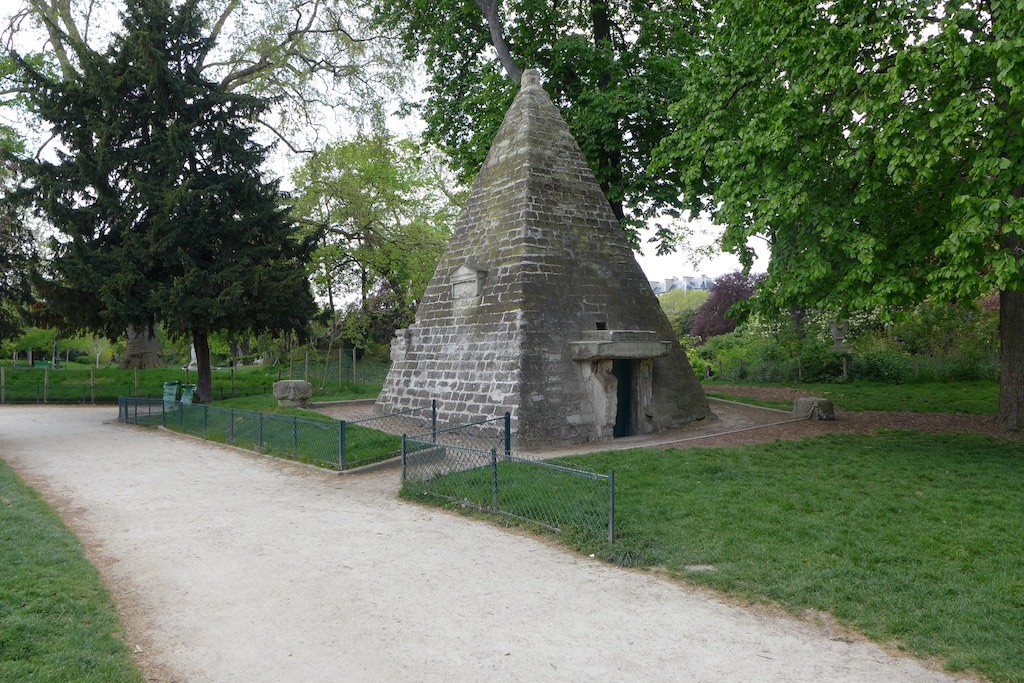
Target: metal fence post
181 416
342 461
206 418
260 442
3 386
163 414
611 506
494 479
231 427
433 420
508 434
295 434
46 385
403 460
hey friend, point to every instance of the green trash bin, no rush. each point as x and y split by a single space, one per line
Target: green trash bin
186 392
170 394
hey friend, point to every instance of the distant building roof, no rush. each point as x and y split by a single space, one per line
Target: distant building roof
687 283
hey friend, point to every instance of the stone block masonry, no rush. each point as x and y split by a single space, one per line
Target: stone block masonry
539 308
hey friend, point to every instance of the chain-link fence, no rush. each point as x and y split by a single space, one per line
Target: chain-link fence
40 392
140 411
319 442
468 464
499 482
411 421
338 444
324 370
482 435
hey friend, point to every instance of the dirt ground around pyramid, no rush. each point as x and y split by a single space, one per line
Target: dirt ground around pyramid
228 566
735 424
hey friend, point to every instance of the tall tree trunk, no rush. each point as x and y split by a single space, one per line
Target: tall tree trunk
204 374
142 350
1011 337
1011 356
497 29
609 161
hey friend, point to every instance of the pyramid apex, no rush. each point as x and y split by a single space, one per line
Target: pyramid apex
538 309
531 79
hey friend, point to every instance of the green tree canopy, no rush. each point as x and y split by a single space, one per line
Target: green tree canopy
681 306
17 257
878 148
17 242
380 209
162 212
612 68
311 59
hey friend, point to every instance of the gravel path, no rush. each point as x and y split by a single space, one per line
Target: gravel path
234 567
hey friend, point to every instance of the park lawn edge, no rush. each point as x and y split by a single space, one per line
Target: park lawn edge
975 397
58 621
946 629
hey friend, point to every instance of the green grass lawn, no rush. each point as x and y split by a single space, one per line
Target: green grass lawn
292 433
979 398
710 392
82 384
57 621
912 539
266 403
535 491
363 446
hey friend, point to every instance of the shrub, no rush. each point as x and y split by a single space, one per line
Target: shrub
890 366
818 363
933 343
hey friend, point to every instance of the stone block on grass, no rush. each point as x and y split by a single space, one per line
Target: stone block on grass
814 408
293 393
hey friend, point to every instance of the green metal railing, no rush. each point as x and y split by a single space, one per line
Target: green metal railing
500 482
326 443
472 464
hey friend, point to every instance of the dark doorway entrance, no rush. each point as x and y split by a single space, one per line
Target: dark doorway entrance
623 371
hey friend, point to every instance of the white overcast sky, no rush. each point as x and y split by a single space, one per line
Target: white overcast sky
683 263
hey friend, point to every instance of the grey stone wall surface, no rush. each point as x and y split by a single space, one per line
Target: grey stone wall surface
552 266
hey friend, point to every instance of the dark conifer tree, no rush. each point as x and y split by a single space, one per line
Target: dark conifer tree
158 197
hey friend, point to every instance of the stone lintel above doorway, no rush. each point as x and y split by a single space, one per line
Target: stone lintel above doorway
623 344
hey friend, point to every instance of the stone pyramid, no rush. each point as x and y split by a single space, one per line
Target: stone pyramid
539 308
